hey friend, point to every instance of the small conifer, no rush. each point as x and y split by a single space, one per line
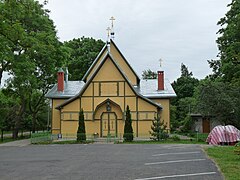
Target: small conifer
81 133
128 130
158 130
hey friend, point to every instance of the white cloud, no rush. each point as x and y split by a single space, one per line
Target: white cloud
146 30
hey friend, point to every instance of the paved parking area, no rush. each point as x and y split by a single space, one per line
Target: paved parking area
106 161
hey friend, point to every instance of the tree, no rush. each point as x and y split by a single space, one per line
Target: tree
83 51
128 130
5 109
184 86
81 133
149 74
219 100
185 72
229 44
31 54
158 130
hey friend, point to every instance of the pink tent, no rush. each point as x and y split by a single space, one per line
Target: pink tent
223 135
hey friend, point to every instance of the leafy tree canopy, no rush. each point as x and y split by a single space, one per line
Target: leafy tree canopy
219 100
149 74
83 52
184 86
229 45
30 52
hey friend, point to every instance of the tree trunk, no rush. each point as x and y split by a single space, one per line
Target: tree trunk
15 133
18 119
2 135
34 119
1 74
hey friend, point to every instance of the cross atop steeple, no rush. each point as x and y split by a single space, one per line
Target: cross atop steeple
112 19
108 38
112 29
108 32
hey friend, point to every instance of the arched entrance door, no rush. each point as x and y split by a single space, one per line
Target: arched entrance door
108 124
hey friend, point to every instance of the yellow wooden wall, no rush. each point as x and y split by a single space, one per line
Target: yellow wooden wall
56 125
165 113
122 63
108 80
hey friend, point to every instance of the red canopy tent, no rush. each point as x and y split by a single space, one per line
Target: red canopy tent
223 135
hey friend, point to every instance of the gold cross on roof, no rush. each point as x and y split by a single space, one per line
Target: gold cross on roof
108 31
112 19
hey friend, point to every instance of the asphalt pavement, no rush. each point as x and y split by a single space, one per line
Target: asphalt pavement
106 161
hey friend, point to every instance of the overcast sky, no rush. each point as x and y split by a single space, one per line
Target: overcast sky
177 31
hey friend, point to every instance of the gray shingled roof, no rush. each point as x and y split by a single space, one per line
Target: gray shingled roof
71 88
148 88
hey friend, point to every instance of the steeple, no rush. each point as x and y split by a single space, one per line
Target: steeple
108 38
112 29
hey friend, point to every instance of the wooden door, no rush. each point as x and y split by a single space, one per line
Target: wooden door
108 124
206 125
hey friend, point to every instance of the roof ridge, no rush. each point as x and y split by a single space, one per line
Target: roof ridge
134 72
94 74
94 62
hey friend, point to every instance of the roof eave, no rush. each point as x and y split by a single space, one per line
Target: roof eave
160 96
138 79
94 63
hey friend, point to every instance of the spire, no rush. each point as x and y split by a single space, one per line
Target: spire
112 29
108 38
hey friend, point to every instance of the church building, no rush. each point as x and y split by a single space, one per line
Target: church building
107 88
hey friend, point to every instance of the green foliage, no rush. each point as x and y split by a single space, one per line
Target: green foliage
238 144
185 103
188 122
83 51
81 133
128 130
229 44
31 52
149 74
184 86
185 72
173 117
158 130
220 100
175 138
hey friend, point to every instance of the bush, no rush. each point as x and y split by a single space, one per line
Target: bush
176 138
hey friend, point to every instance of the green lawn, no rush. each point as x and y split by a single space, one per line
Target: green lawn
10 139
227 160
168 141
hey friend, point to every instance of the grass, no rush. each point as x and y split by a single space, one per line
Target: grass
227 160
10 139
63 142
168 141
